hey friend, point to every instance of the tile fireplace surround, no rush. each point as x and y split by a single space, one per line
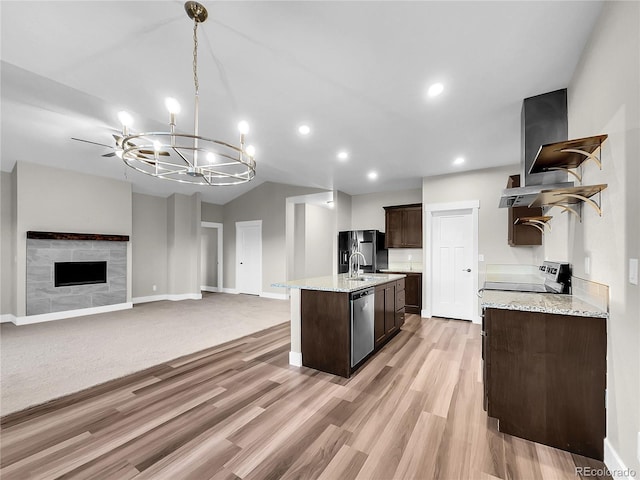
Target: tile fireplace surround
44 249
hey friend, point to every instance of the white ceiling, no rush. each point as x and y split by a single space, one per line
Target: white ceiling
356 72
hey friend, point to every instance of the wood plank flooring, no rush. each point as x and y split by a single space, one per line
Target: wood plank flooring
239 410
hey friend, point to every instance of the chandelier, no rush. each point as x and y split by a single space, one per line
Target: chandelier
187 157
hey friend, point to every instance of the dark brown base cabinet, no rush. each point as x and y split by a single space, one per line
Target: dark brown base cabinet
326 326
545 378
413 292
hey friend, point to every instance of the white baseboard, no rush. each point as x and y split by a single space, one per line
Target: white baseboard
7 318
150 298
277 296
165 296
48 317
424 313
206 288
614 463
295 359
230 290
477 319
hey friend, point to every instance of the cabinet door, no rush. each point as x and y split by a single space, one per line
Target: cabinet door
393 226
413 293
389 308
412 226
379 330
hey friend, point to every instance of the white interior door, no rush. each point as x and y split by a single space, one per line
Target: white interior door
453 268
249 257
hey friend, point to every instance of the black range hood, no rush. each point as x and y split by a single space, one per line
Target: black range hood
544 120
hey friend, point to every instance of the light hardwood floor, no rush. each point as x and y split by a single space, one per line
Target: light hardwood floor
238 410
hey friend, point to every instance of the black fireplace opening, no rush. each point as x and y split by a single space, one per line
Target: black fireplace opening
79 273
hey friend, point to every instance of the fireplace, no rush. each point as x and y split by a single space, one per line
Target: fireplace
72 271
79 273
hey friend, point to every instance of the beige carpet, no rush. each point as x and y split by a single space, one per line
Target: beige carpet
44 361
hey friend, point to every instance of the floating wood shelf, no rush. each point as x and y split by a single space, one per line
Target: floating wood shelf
566 198
537 222
103 237
568 155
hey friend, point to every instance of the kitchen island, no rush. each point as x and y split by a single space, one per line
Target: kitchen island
321 314
544 368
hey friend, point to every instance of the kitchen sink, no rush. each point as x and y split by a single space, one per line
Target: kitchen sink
362 279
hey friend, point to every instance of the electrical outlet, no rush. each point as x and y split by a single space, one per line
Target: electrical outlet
633 271
154 288
587 265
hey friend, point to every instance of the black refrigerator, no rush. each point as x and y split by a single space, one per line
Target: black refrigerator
368 242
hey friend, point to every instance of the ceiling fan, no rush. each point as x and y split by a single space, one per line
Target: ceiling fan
118 147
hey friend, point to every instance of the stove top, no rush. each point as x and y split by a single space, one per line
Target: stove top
550 277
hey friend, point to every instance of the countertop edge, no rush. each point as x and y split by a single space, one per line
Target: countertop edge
339 289
556 311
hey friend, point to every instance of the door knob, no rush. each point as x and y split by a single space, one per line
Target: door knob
466 269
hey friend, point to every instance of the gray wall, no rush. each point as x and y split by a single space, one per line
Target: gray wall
319 234
604 97
183 244
485 186
7 228
367 212
51 199
149 245
212 212
343 206
209 257
267 202
299 243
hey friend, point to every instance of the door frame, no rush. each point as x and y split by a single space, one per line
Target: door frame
239 225
430 210
220 286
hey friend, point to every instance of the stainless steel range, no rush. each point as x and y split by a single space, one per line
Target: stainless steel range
550 277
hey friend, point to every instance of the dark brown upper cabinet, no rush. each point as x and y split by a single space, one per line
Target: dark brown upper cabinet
520 232
403 225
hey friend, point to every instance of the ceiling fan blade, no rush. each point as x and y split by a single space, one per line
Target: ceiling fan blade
112 154
89 141
152 152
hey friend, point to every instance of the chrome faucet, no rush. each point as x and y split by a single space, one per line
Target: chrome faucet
355 254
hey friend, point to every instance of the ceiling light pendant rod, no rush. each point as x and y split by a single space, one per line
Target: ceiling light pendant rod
197 92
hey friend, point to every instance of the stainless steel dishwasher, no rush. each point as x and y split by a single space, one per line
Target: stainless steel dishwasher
362 338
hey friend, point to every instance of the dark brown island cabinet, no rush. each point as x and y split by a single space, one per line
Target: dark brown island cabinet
326 326
413 291
403 225
545 378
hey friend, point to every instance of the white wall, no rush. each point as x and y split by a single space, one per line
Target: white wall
604 97
149 245
54 200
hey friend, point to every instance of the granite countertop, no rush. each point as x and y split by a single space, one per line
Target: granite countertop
540 302
400 270
340 283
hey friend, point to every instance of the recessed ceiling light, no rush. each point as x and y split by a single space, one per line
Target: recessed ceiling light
372 175
304 130
435 90
343 155
458 161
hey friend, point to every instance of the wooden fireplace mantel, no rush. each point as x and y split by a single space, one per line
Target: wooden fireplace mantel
102 237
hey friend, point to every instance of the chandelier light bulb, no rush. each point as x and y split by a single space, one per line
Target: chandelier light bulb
157 146
251 150
125 119
211 158
172 105
243 127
